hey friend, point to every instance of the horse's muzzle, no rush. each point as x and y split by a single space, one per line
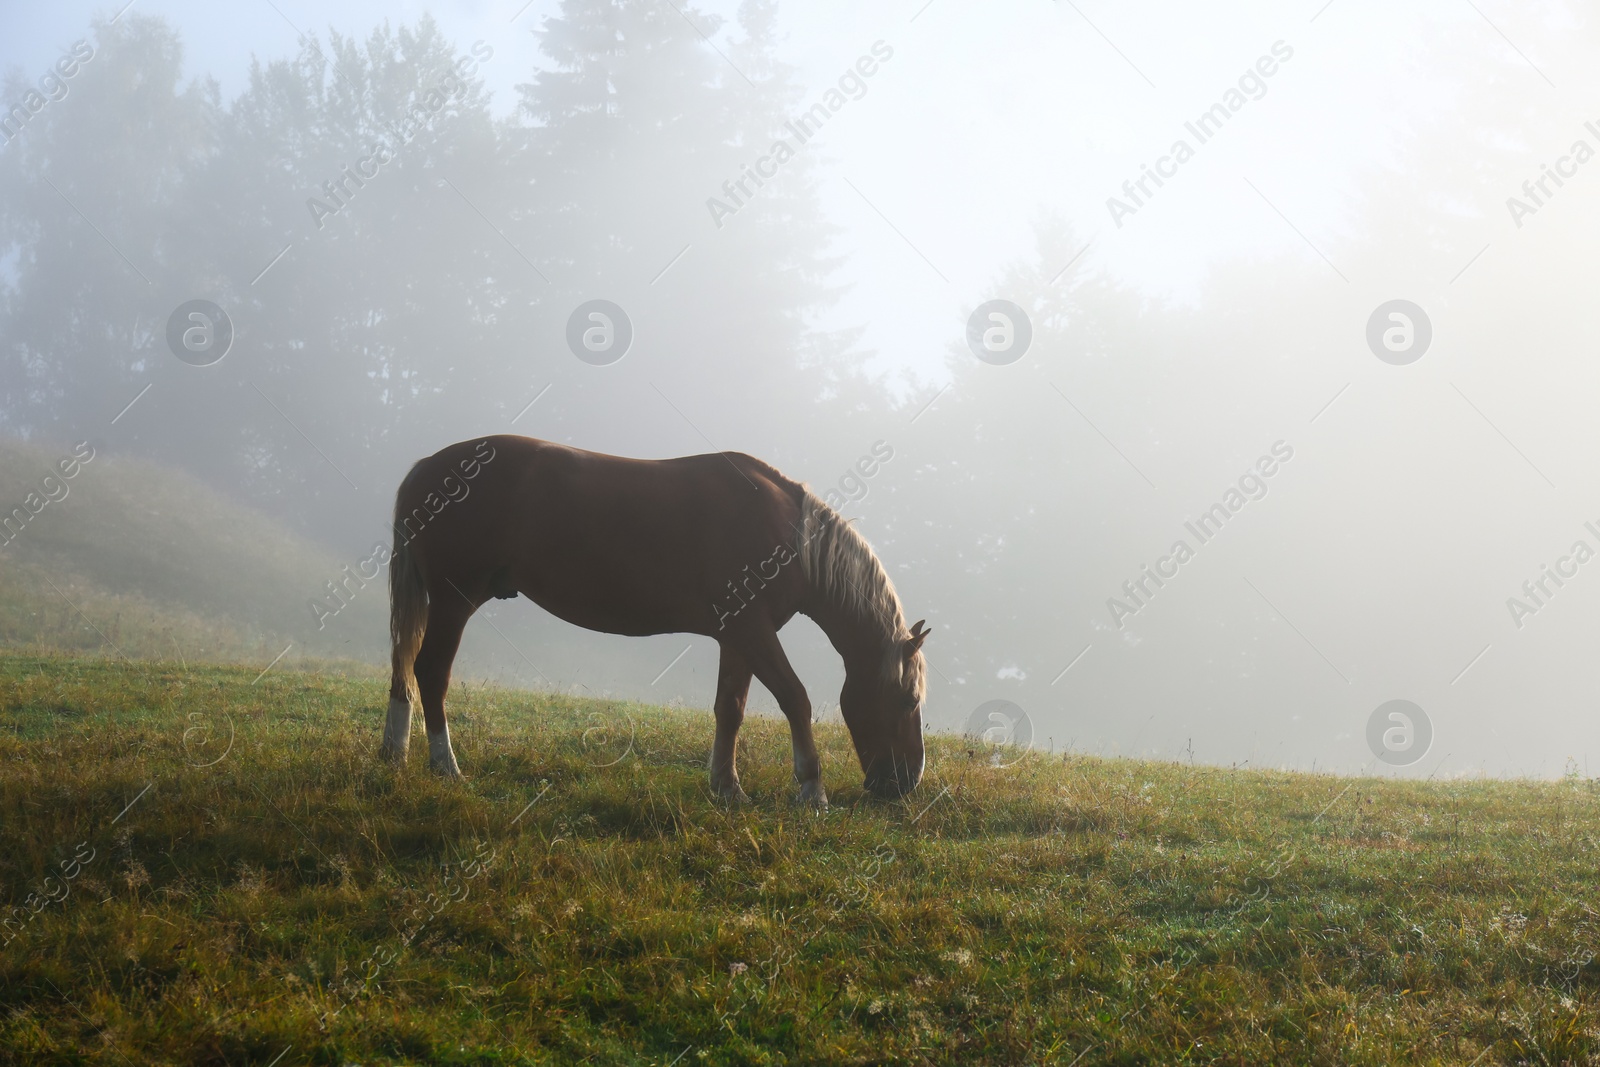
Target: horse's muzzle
897 782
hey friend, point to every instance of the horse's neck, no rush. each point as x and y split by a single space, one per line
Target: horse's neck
859 640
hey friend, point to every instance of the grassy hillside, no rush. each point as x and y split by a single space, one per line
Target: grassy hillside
141 560
239 882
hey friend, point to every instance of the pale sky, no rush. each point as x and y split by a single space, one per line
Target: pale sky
990 114
1420 501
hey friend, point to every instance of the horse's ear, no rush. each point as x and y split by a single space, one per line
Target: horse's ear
919 634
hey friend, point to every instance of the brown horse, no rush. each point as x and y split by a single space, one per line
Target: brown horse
721 545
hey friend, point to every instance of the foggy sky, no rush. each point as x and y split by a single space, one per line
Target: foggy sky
1226 316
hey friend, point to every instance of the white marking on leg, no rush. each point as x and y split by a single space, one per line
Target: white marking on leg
441 757
397 730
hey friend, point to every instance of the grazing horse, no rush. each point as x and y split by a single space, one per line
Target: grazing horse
721 545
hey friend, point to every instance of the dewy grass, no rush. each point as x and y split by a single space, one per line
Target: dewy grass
202 867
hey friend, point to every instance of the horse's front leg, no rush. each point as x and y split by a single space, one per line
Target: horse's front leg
733 686
772 667
807 764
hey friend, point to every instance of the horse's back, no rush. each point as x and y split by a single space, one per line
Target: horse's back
609 542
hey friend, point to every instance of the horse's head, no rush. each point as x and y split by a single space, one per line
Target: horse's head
882 707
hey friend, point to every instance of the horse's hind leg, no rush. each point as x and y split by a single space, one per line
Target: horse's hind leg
733 686
447 617
408 619
397 726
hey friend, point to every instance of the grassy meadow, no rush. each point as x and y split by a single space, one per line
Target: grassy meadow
204 865
148 561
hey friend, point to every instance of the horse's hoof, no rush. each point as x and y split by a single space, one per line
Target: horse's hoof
395 757
732 795
812 794
441 756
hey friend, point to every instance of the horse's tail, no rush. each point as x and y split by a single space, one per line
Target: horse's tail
408 616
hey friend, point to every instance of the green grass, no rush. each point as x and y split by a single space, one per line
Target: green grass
287 892
153 562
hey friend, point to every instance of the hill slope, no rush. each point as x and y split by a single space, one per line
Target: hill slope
237 878
144 560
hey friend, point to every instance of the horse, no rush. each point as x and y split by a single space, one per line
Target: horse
719 544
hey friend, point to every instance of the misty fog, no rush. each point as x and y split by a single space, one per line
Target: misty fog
1039 291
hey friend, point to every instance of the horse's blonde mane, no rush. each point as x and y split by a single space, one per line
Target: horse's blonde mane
842 571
